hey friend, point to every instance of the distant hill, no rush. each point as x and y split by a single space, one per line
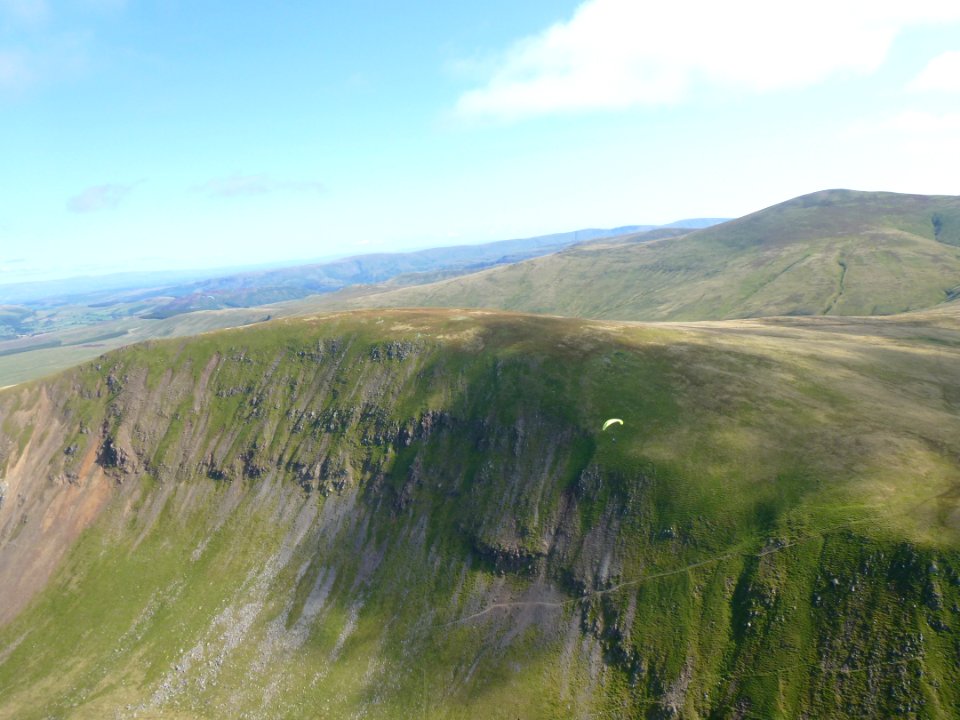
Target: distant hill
270 286
835 252
11 320
47 326
113 287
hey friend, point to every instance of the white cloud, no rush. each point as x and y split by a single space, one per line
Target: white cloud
29 12
238 185
925 123
941 74
99 197
40 43
621 53
39 58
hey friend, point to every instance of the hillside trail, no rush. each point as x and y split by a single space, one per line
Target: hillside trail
743 713
832 303
587 595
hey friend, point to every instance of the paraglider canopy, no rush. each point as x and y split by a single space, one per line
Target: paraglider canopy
611 421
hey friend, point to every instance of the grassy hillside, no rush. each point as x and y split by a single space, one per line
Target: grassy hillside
415 514
284 284
40 355
13 318
836 252
60 331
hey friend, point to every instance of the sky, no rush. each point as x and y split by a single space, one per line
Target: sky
140 135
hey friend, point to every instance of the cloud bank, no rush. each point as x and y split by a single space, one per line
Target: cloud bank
98 197
941 74
621 53
926 123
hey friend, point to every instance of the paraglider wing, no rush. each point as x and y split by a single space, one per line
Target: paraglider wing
611 421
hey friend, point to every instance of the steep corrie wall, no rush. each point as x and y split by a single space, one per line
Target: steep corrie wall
414 514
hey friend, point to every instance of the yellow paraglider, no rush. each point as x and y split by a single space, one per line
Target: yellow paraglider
611 421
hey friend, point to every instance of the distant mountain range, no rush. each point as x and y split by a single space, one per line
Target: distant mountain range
175 292
258 288
835 252
66 320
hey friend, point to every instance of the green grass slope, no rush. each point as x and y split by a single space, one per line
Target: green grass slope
837 252
409 514
34 357
278 285
38 341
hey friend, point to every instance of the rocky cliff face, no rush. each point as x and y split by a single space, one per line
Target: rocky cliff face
414 514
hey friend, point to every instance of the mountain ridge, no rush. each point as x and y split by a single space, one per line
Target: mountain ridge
415 512
264 287
837 251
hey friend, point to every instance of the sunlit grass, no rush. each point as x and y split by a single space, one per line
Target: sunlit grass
686 557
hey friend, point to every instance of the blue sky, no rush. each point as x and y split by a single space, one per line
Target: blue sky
167 134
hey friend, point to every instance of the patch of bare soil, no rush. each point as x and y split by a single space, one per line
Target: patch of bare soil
42 517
